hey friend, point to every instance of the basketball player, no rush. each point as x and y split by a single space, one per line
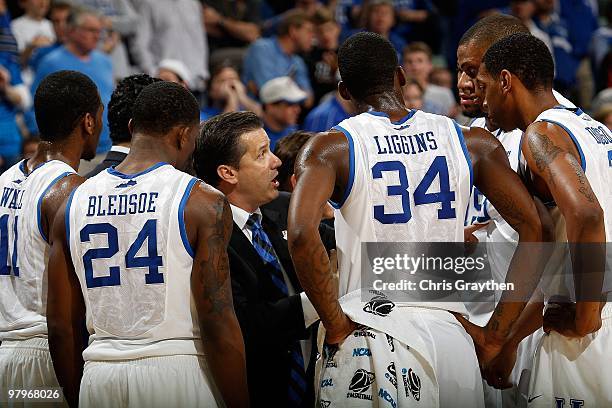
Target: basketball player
414 353
69 115
140 251
567 163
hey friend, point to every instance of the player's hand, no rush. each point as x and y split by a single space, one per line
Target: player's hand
335 334
5 78
486 349
497 373
564 319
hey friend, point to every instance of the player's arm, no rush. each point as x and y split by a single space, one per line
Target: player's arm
65 305
552 158
504 189
321 173
208 220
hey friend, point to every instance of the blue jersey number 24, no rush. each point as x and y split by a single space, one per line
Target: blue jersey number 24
445 196
152 261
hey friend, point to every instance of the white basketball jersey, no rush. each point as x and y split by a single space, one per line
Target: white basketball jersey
593 141
24 249
409 181
130 251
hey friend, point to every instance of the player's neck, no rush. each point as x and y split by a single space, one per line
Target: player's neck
144 153
48 151
389 103
534 105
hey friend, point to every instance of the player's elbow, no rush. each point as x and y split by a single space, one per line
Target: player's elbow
300 236
531 230
587 216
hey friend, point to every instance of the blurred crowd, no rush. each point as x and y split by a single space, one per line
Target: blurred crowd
276 58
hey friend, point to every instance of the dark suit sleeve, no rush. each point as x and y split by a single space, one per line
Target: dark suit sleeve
263 322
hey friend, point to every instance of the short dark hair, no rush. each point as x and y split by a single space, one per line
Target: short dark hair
62 99
322 16
219 143
367 63
525 56
121 103
163 105
287 149
491 29
292 18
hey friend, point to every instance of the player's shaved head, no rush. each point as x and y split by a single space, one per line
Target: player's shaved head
491 29
525 56
163 105
367 63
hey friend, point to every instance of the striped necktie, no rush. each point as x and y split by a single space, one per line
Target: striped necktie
263 246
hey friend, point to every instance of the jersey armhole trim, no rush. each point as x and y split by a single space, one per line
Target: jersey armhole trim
67 218
465 152
571 135
39 204
181 217
351 179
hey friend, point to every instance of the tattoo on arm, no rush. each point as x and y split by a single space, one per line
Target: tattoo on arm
585 188
544 152
215 277
508 207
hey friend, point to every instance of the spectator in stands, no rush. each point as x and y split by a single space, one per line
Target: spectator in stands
414 19
231 27
332 110
172 29
119 115
172 70
418 65
281 99
120 22
380 18
524 11
14 95
32 30
604 115
441 77
58 15
269 58
413 94
79 54
227 94
29 147
287 149
322 61
566 60
601 53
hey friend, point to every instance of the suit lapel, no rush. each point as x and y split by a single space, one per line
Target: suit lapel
241 243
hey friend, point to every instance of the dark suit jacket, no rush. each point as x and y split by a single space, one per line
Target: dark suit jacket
270 321
111 159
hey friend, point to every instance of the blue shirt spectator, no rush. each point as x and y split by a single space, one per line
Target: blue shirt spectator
269 58
326 115
79 54
276 135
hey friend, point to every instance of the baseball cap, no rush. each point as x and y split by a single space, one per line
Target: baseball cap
281 89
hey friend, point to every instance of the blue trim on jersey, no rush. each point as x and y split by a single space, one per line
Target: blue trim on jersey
569 132
465 152
577 111
67 217
398 122
351 179
23 168
117 173
40 200
181 217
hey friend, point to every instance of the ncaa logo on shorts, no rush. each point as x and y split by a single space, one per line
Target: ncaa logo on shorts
325 403
360 352
390 341
330 353
327 382
384 394
379 306
412 383
360 383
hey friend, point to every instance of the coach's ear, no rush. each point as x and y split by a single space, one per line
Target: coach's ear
228 174
343 90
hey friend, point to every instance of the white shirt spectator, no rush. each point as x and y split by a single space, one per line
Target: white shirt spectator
25 29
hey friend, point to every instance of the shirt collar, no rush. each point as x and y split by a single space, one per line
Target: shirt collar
120 149
241 216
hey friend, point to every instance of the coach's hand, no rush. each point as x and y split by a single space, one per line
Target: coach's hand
339 331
